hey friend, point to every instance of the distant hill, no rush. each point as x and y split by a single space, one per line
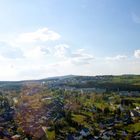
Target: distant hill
110 82
61 77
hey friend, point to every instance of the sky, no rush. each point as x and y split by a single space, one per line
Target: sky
45 38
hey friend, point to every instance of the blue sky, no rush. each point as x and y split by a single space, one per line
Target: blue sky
46 38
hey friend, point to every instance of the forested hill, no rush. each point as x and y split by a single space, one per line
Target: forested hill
110 82
124 82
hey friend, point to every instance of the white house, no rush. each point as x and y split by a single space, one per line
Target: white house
85 132
78 136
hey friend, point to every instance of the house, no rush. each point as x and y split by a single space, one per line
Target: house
108 133
124 93
126 102
15 100
118 120
110 122
69 137
111 133
106 137
135 93
4 133
100 90
85 132
134 113
39 133
121 108
124 133
78 136
137 108
94 109
101 125
137 137
1 132
90 137
16 137
96 137
46 98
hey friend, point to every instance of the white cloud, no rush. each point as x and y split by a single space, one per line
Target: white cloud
7 51
137 53
34 53
118 57
43 34
39 58
81 57
61 50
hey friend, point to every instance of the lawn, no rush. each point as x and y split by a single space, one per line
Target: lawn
51 135
133 127
79 118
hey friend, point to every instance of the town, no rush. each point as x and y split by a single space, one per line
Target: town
71 108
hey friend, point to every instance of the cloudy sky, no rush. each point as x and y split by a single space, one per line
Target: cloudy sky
44 38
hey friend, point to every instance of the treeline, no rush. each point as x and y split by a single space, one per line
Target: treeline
11 86
107 85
